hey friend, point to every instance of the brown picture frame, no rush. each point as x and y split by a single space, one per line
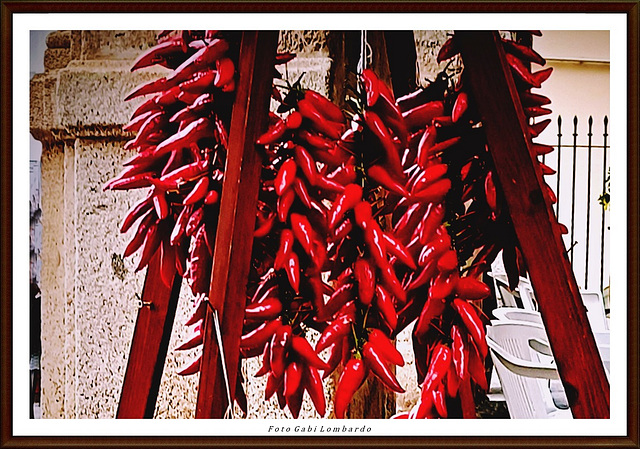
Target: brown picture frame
629 8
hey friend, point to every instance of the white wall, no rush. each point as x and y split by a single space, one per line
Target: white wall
579 87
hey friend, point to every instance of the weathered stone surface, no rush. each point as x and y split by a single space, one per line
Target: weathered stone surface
116 44
59 39
54 328
56 58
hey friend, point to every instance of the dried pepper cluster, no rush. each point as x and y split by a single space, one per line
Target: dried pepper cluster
365 223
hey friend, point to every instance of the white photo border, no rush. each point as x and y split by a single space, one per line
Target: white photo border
23 23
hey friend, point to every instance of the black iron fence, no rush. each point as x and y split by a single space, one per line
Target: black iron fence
580 182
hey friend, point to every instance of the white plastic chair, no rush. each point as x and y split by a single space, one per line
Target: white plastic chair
523 371
595 310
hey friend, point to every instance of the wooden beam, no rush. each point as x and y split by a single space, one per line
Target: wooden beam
402 58
491 83
234 237
149 345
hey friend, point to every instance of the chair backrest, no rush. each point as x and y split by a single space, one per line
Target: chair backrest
595 310
526 397
517 314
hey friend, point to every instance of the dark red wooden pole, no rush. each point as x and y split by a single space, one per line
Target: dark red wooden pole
234 237
553 280
149 344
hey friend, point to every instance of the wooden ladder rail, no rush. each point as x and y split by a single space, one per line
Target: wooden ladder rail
149 344
554 283
234 237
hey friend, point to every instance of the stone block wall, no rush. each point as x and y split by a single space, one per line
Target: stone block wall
89 292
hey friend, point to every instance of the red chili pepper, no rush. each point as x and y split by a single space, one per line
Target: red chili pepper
324 106
182 175
382 177
440 147
266 364
310 242
448 50
393 246
280 342
390 114
433 251
342 230
421 116
302 347
438 367
335 356
275 132
523 52
316 141
536 111
490 192
292 268
292 378
341 296
260 335
274 384
193 340
433 308
433 193
192 367
267 309
199 192
529 99
151 244
439 401
371 86
348 200
520 69
448 261
284 204
264 227
472 289
365 276
328 185
385 347
194 221
137 211
352 377
443 285
427 141
306 163
375 362
460 106
335 331
137 181
460 352
452 381
476 368
212 197
536 128
313 384
379 129
318 121
195 131
225 70
385 306
363 214
425 276
467 401
345 174
163 54
285 177
428 176
473 324
540 149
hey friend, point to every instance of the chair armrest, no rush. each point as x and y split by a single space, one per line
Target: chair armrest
540 346
522 367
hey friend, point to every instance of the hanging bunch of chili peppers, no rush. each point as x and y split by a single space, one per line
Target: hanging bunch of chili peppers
459 236
363 225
